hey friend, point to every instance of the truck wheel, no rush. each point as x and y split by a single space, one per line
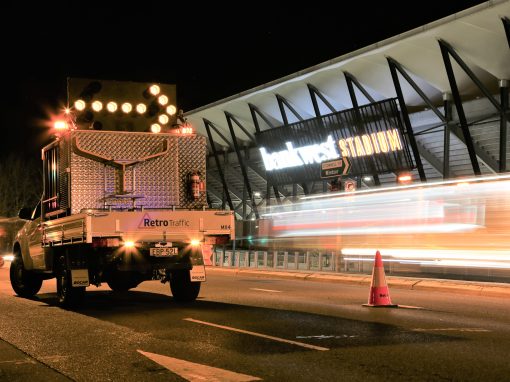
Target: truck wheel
123 281
182 288
68 296
24 282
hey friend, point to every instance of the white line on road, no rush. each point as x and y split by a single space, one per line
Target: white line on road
451 330
302 344
267 290
20 361
196 372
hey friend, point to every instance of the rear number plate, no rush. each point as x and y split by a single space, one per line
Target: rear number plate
164 251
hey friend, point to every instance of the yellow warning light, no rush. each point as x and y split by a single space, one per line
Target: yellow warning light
163 119
97 106
154 89
171 110
163 99
111 107
141 108
156 128
126 107
79 105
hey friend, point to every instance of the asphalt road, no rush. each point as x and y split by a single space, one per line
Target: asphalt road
243 328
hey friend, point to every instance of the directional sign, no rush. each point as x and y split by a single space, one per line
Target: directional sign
335 168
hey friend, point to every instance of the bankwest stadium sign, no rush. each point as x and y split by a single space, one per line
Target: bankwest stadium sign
371 136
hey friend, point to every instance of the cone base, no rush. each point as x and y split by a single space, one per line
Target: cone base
380 306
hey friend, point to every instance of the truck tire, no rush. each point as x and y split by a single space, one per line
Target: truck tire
123 281
24 282
182 288
68 296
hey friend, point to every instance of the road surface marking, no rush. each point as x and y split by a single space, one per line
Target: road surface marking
267 290
20 361
196 372
410 307
258 334
451 330
325 337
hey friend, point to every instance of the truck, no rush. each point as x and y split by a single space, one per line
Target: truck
120 207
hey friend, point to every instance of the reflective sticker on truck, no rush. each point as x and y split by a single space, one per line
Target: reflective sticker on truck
197 273
80 277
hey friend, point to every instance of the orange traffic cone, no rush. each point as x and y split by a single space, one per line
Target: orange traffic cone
379 293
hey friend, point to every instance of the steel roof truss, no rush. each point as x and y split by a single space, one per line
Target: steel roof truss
407 121
241 163
236 121
314 93
350 79
506 24
254 111
468 140
448 48
208 126
282 102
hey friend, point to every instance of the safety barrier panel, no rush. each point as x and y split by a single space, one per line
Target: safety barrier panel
294 260
335 261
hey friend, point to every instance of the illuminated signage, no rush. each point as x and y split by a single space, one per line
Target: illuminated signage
371 136
368 144
357 146
299 156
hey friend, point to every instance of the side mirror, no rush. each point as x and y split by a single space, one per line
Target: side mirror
25 213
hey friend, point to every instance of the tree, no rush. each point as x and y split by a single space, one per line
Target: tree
20 184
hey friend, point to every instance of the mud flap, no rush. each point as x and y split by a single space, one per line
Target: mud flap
80 277
197 273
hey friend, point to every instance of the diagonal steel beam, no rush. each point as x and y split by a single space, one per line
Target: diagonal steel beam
217 131
506 24
256 111
236 121
350 79
241 164
407 121
314 93
468 140
416 88
282 102
449 49
503 124
216 158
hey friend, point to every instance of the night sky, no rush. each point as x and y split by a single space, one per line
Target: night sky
209 50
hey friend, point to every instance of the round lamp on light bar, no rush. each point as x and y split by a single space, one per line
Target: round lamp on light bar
79 105
97 106
111 107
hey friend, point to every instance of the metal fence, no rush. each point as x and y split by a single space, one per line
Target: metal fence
335 261
292 260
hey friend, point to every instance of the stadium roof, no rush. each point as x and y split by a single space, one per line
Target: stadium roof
477 35
477 38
